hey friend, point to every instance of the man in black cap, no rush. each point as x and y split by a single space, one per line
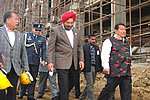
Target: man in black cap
36 49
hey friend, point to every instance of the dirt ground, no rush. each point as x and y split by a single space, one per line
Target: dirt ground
140 85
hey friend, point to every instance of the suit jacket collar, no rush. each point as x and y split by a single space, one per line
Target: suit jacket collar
75 33
64 34
6 35
88 44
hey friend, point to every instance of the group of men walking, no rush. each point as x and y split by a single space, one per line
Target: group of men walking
65 51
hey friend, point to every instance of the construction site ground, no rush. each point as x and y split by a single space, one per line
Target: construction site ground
140 85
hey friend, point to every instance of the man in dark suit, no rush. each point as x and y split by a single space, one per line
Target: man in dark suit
66 43
92 63
36 48
13 48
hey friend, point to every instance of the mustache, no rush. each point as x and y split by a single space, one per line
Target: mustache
68 27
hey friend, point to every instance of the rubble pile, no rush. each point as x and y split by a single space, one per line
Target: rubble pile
140 83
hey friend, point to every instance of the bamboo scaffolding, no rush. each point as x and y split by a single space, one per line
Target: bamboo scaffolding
36 11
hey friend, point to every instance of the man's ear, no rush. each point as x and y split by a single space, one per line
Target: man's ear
88 40
115 30
7 20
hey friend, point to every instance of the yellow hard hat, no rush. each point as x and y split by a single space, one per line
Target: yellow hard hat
4 82
24 78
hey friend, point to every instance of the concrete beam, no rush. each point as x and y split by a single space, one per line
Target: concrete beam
119 17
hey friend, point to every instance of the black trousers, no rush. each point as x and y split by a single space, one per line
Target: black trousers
11 91
124 84
76 82
31 87
65 82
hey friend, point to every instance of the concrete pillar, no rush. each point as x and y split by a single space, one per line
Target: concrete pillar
120 17
82 19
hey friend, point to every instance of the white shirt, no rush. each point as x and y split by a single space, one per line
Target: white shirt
70 35
11 36
105 54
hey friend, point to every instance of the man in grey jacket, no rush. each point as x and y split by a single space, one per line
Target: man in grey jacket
13 48
66 43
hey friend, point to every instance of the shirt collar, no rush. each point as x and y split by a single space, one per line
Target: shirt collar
35 34
91 46
118 37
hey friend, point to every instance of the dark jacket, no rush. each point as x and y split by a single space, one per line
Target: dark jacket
40 42
119 58
87 58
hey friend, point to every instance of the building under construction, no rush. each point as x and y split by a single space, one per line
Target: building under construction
93 17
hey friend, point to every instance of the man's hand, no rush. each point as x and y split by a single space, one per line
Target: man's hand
50 67
3 58
1 65
106 71
81 64
42 63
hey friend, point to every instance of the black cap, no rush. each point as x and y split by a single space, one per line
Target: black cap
37 27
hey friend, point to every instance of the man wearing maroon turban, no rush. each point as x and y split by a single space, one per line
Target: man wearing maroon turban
66 43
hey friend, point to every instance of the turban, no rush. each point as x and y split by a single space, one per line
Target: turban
68 15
